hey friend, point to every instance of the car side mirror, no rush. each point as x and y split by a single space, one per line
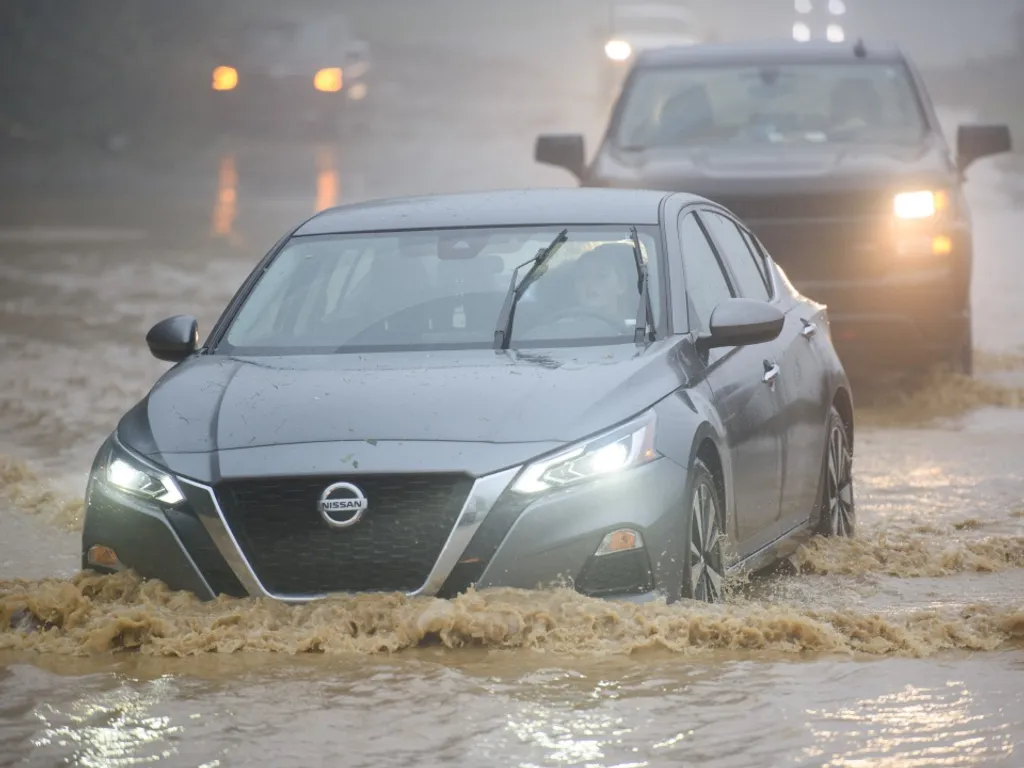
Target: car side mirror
174 339
564 150
739 322
976 141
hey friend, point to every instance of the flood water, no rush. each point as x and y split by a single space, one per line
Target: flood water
903 647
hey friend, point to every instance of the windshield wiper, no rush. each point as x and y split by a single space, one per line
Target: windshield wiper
644 312
503 333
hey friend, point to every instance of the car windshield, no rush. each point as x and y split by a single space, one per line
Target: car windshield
651 20
786 103
439 289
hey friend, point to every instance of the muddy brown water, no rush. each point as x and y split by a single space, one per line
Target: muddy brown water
903 647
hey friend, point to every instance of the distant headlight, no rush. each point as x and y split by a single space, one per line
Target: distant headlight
626 447
133 477
328 80
922 204
224 79
618 50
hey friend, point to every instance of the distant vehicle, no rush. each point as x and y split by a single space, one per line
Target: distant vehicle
834 156
290 70
635 27
611 388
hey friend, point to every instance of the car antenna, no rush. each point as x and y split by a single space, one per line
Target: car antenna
859 50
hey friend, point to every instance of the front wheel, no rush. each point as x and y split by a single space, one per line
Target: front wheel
836 509
703 565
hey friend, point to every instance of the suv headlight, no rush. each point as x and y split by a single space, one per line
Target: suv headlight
921 204
618 50
130 475
617 450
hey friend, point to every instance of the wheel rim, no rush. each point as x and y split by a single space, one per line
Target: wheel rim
840 484
706 573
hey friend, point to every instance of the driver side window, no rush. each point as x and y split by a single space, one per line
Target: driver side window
707 284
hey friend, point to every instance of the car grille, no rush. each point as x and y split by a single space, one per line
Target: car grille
830 236
392 548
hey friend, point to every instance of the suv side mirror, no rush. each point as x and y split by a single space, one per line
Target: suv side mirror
976 141
564 150
738 322
174 339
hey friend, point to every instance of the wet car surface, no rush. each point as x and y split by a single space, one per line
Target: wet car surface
902 645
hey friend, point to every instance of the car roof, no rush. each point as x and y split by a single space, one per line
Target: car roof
557 206
770 52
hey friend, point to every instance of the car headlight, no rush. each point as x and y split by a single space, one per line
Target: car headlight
131 476
921 204
224 79
328 80
625 447
618 50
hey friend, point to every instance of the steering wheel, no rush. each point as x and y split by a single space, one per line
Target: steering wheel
580 312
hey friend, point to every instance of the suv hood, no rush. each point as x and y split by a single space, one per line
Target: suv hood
775 168
215 402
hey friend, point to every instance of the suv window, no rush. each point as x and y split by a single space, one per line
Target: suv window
706 283
737 255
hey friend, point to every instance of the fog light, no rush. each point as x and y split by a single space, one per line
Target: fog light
942 245
622 540
104 557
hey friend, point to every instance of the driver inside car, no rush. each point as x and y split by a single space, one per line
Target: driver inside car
605 282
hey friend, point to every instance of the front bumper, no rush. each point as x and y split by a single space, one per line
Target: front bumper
908 317
500 538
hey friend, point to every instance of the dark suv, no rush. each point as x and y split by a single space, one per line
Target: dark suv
834 156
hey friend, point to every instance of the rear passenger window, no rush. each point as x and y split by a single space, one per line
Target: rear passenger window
760 257
737 255
706 283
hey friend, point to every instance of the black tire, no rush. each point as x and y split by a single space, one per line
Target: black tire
703 575
837 511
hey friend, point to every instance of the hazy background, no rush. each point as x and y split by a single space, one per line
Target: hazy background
81 72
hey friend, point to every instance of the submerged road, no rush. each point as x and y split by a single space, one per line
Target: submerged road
900 648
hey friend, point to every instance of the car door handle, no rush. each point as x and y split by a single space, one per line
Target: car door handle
771 372
809 329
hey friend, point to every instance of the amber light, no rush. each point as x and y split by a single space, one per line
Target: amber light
942 245
328 80
225 78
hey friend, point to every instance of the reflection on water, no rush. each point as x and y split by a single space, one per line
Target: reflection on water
513 709
327 182
225 207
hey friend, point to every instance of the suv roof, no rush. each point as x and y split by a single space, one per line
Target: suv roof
768 53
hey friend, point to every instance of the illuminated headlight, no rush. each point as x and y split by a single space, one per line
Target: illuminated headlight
922 204
626 447
618 50
134 478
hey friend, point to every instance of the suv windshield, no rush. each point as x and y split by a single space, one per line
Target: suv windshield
787 103
443 289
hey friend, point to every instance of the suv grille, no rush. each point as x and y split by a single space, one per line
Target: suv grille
824 205
831 236
393 548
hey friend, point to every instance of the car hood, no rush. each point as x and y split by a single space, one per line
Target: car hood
647 41
213 403
774 168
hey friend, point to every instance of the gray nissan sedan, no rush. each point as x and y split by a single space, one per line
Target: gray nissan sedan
613 389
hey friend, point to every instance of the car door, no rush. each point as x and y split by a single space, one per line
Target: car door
807 398
744 393
801 384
